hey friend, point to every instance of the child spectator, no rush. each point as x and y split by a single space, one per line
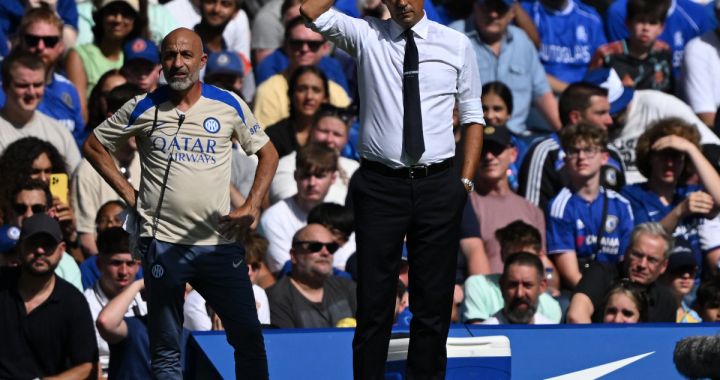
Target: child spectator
585 221
707 303
641 60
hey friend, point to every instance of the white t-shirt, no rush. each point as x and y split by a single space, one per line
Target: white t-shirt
197 318
646 107
44 128
278 224
499 319
701 69
97 299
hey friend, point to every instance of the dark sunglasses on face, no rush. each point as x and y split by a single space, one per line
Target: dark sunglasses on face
21 208
316 246
33 40
312 45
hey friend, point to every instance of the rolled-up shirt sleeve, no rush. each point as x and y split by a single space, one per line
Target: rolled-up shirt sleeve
469 86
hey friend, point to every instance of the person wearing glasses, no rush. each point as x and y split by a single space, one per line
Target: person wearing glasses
45 324
679 277
303 47
33 197
117 271
40 33
668 154
586 222
645 260
23 81
310 296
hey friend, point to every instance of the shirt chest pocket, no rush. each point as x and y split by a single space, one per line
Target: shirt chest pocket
519 76
437 78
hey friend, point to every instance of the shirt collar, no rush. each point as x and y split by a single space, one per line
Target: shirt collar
420 29
561 12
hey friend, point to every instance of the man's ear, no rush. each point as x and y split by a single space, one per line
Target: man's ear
574 116
543 285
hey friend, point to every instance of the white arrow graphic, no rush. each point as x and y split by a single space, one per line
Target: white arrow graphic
601 370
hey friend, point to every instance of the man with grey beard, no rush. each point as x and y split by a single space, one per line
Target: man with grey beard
185 233
521 283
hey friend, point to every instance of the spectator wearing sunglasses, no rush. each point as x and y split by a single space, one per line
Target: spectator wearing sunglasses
23 81
679 277
303 47
40 34
116 22
31 198
311 297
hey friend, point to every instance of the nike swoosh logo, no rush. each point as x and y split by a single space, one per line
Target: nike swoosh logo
236 264
601 370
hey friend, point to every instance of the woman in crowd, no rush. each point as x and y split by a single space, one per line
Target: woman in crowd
97 103
679 277
116 21
625 303
308 90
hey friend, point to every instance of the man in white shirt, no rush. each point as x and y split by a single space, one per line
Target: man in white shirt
23 81
411 73
521 283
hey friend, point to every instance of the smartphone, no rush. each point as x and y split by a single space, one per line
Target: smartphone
59 186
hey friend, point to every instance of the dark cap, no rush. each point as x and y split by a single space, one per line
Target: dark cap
681 259
499 135
41 224
140 48
508 3
225 62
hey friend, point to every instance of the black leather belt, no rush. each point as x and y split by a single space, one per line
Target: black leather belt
411 172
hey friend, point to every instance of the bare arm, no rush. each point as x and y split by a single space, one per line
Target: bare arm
524 22
474 250
708 176
248 214
472 148
556 84
100 159
76 73
708 118
110 322
581 309
88 244
80 371
547 104
712 259
312 9
567 266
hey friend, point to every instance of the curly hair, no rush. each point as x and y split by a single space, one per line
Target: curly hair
664 127
16 164
582 132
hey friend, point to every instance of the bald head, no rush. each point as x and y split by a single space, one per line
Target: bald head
182 58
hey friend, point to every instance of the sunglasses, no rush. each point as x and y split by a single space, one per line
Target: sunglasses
312 45
316 246
21 208
33 40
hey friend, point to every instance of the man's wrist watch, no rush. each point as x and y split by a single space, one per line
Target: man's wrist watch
468 183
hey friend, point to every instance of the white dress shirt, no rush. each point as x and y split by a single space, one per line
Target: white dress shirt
448 70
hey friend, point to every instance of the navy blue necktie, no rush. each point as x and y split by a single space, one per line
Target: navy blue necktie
413 142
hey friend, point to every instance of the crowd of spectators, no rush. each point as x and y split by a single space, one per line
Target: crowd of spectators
596 198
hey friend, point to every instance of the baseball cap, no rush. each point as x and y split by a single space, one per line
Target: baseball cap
9 236
41 224
224 62
618 94
497 134
141 48
134 4
678 260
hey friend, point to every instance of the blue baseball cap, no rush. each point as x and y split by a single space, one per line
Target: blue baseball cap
619 95
141 48
9 236
224 62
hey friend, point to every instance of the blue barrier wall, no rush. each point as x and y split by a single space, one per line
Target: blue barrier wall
538 352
